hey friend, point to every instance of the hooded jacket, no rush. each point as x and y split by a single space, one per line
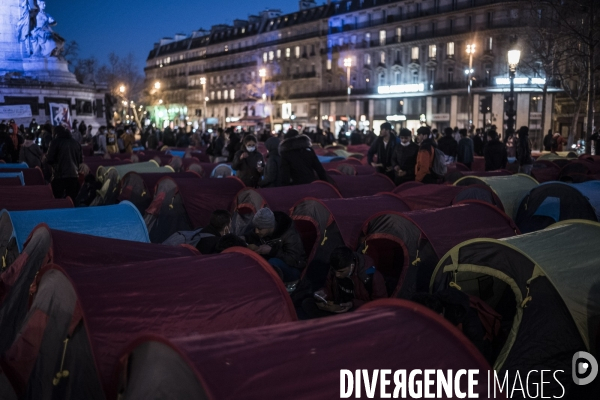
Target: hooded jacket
64 154
359 278
384 153
495 155
466 148
272 177
299 163
285 242
405 157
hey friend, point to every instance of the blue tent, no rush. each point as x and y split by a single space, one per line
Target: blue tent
177 153
121 221
14 166
13 175
328 159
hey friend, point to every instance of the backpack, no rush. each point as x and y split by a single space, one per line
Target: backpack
438 166
111 139
187 237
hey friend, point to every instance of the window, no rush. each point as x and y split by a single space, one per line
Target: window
414 53
432 51
488 44
367 59
328 65
382 79
265 57
278 54
398 35
353 39
271 55
232 94
225 94
313 68
212 95
431 76
297 51
397 78
382 38
226 48
415 76
368 38
398 57
341 41
450 74
219 95
450 49
382 57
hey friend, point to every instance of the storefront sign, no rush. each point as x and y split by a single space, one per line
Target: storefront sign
417 87
521 81
395 118
440 117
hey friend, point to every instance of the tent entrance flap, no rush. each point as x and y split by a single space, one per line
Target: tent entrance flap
390 258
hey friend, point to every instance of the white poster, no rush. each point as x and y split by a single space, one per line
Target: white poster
60 114
14 112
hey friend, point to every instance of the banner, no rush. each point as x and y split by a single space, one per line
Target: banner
60 114
14 112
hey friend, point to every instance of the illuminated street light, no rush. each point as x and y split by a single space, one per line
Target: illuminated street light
348 65
262 73
157 85
160 101
514 56
203 83
469 72
122 89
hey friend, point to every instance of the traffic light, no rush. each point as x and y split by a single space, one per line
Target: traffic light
485 105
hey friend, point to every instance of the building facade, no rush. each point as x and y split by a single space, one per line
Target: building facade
405 62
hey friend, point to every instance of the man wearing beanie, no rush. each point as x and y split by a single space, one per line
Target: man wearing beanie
274 236
404 158
383 147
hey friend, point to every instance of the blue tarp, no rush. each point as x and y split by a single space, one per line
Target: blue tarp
328 159
13 175
121 221
14 166
177 153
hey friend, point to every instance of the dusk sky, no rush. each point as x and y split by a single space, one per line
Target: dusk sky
124 26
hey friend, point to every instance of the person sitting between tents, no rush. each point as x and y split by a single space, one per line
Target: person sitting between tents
351 282
274 237
219 225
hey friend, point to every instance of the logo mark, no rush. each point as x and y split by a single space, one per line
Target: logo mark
584 364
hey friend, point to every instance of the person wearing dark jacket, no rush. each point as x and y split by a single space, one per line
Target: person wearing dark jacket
495 153
404 158
478 143
548 139
219 226
299 163
272 176
425 157
466 149
30 153
351 282
234 145
6 145
383 147
274 236
448 145
64 154
524 151
248 162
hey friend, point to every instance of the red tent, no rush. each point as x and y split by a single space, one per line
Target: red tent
185 204
545 171
101 309
45 246
406 247
437 196
363 185
301 360
31 177
138 188
12 181
40 197
327 224
249 200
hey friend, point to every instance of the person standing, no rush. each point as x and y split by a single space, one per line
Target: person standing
111 141
30 153
272 177
466 149
448 145
548 141
478 143
495 153
524 151
299 163
64 154
248 162
383 147
404 159
425 156
6 145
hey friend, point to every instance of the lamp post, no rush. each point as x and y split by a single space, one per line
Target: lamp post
266 98
348 65
513 60
469 72
203 83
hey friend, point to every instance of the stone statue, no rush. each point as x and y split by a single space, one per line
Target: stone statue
36 33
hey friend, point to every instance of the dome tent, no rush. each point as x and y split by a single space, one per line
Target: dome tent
557 201
549 299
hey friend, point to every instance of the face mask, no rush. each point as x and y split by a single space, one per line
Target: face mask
404 144
250 148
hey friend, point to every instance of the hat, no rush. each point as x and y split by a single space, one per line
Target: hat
386 125
291 133
264 219
405 133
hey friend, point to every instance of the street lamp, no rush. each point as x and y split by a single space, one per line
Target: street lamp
348 65
469 72
157 85
513 60
122 89
203 83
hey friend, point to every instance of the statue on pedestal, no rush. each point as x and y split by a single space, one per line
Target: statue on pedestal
35 31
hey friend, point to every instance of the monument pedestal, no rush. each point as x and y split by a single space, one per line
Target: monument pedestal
48 69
